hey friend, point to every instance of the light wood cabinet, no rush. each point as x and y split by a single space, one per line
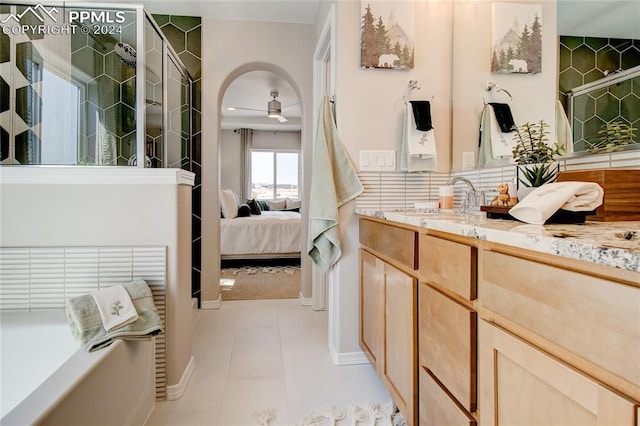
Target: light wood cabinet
437 407
522 385
371 308
388 310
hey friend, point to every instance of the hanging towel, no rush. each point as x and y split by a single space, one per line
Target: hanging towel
418 151
564 134
115 307
422 115
334 182
85 323
547 199
484 153
502 143
504 117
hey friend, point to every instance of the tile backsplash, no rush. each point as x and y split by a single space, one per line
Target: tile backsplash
400 190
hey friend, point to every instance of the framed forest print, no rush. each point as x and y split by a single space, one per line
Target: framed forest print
516 37
386 29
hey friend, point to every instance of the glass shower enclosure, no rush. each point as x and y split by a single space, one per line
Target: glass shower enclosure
91 84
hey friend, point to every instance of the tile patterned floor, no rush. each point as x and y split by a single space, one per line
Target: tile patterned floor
260 354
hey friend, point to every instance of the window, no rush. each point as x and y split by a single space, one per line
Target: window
274 174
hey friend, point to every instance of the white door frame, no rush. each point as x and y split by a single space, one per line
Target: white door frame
323 83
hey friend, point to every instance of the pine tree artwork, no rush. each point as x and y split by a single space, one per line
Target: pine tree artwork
516 38
386 29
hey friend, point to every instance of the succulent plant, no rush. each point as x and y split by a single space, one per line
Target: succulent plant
535 156
612 135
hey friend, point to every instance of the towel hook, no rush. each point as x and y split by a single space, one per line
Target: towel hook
495 87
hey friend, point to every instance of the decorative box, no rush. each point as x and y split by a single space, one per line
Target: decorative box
621 192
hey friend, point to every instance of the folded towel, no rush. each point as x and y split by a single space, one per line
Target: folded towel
418 152
503 116
502 143
422 115
86 325
334 182
564 134
547 199
115 307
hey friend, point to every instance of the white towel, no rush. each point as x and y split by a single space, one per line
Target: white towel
334 182
418 153
547 199
501 143
115 307
564 134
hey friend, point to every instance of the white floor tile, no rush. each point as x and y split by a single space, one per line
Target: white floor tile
244 396
253 355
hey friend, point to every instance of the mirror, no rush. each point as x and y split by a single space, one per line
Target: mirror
534 96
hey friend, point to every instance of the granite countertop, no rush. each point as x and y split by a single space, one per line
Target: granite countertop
615 244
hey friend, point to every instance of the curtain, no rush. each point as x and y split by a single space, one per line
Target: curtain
245 167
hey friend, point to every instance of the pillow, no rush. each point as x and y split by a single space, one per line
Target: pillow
263 205
244 210
293 203
277 204
228 203
254 206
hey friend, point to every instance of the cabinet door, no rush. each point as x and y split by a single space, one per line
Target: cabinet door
521 385
371 307
399 372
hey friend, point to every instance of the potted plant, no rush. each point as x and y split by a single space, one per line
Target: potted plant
612 135
534 157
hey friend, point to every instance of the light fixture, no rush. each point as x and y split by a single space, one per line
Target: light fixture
274 108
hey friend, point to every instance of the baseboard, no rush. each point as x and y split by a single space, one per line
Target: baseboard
304 301
176 391
211 304
347 358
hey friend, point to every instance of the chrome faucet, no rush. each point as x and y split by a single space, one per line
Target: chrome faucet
472 197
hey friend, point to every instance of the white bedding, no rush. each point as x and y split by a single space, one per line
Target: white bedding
272 232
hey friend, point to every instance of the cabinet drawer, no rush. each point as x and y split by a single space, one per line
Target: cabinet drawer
447 344
436 406
594 318
397 244
449 264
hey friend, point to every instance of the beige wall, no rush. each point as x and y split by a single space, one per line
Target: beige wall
534 96
231 160
231 48
112 212
369 115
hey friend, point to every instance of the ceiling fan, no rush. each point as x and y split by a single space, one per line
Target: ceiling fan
274 108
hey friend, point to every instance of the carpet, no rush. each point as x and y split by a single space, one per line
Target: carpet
371 415
260 282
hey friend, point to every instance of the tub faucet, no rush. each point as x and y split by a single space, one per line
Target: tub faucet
472 197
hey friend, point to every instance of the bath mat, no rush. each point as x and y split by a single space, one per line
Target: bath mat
260 282
367 415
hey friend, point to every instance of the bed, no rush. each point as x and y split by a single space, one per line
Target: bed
272 234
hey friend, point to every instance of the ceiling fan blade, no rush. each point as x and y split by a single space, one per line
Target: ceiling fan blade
246 109
290 106
282 119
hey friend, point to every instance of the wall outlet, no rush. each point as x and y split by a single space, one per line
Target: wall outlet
468 160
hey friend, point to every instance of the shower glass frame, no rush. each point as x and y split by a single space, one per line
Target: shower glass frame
168 54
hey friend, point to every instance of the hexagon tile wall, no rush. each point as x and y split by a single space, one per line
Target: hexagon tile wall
587 59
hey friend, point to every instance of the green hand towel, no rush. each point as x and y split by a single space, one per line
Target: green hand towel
86 325
334 183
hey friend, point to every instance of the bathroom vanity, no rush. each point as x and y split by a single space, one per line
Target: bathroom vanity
469 320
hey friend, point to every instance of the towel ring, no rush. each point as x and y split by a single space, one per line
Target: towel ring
412 85
494 86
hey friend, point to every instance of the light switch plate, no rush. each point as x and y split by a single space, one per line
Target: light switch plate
378 161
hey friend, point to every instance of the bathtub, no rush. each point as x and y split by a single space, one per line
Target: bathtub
47 378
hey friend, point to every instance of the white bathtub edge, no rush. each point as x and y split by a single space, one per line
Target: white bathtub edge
176 391
45 400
